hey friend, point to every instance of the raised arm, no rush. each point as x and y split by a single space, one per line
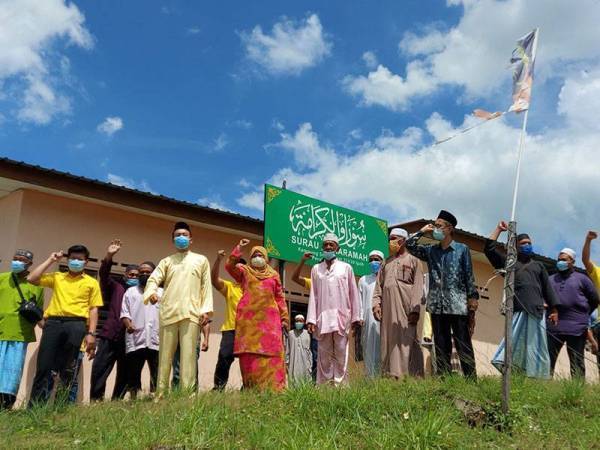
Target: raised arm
296 278
214 271
413 246
36 274
232 262
585 254
106 282
494 256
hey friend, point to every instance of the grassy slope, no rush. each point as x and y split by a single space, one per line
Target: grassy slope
409 414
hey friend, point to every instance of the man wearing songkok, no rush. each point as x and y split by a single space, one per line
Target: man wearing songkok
298 354
333 308
185 306
397 302
370 340
533 296
578 298
16 331
453 298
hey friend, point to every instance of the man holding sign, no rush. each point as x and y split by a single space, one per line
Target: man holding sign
333 307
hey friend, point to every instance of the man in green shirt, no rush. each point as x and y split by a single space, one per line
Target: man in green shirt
15 331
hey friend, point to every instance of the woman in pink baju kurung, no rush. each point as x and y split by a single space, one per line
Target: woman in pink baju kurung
261 317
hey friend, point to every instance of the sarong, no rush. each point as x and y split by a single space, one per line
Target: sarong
530 347
12 359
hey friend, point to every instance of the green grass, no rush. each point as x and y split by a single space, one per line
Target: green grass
414 414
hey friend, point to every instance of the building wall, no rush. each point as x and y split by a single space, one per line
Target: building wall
45 223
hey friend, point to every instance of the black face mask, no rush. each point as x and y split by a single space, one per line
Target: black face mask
143 279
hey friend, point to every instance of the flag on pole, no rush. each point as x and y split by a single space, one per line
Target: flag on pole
523 60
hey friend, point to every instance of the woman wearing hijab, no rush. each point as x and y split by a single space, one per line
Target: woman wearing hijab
261 317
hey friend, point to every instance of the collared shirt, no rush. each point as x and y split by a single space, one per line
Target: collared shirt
144 318
334 302
232 293
533 291
72 296
187 289
113 292
13 326
578 298
451 280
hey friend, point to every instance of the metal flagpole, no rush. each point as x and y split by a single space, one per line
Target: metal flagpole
511 260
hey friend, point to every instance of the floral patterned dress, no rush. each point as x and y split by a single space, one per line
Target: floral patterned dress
258 330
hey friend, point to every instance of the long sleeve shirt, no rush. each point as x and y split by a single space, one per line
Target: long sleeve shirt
187 288
451 280
112 292
578 298
532 284
144 318
334 302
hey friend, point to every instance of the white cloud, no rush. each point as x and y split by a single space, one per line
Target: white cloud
402 177
292 46
277 125
129 183
382 87
220 142
214 203
243 124
110 125
355 133
193 30
30 61
474 54
579 100
370 59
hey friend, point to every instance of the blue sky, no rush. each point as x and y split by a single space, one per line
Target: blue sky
206 101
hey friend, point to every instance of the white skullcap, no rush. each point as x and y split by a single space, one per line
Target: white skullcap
376 253
570 252
400 232
331 237
299 317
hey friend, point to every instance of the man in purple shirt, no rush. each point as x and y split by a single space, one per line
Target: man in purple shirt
111 345
578 298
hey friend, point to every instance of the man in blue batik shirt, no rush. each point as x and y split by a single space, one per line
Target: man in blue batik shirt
453 297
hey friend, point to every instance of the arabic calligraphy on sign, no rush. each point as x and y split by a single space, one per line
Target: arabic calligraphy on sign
314 221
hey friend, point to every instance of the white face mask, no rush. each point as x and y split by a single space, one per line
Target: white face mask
258 262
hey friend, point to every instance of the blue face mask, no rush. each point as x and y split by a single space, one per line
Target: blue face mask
299 325
182 242
438 234
526 249
329 255
375 265
76 265
17 266
562 265
132 282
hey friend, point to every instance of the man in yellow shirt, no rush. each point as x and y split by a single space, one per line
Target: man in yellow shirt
233 293
185 306
74 304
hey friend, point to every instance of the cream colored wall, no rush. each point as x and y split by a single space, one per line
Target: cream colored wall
10 206
50 223
44 223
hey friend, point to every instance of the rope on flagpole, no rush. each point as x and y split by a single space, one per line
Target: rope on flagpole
466 130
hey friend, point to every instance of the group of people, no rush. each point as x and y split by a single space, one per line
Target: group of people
157 314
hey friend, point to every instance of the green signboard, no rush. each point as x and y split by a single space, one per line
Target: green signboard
295 224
